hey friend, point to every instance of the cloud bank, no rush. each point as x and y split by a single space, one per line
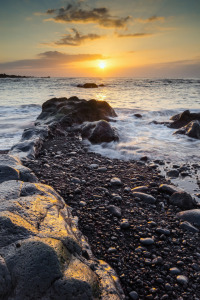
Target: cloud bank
76 13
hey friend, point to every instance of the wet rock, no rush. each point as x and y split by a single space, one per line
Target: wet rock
173 173
124 224
183 119
182 279
138 116
144 197
70 111
115 211
192 130
163 231
189 227
192 216
88 85
174 271
147 241
182 200
168 189
99 132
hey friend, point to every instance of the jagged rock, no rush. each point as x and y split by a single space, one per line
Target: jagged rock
192 216
182 200
41 247
74 111
31 142
192 130
144 197
11 169
88 85
183 119
99 132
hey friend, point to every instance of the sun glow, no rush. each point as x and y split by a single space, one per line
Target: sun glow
102 64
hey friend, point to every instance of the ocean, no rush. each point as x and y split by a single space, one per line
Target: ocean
154 99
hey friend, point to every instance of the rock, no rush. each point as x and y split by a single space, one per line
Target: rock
65 112
93 166
41 247
168 189
99 132
124 224
147 241
11 169
189 227
115 211
192 216
192 130
182 279
134 295
31 142
163 231
141 189
144 197
88 85
138 115
115 181
173 173
183 119
174 271
182 200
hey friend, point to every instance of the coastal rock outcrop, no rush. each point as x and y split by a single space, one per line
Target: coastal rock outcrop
182 200
99 132
87 85
41 248
192 129
182 119
74 111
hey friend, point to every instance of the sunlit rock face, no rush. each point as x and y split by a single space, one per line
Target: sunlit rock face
41 247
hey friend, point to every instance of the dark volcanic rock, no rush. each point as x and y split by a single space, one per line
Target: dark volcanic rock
74 110
192 216
183 119
88 85
182 200
192 130
99 132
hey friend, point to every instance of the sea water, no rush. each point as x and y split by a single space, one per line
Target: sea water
154 99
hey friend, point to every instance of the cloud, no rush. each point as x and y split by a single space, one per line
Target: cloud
150 19
76 39
134 35
50 59
75 13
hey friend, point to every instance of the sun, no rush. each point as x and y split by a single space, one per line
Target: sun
102 64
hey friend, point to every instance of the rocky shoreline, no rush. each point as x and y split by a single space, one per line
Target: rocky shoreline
132 217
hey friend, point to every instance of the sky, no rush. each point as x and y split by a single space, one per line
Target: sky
112 38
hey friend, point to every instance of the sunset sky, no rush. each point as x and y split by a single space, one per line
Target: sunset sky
139 38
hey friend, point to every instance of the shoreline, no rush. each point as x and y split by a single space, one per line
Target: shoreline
83 179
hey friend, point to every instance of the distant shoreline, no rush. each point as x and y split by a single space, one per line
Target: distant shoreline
18 76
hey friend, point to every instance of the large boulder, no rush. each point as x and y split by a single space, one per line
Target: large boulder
41 248
183 119
99 132
74 111
192 130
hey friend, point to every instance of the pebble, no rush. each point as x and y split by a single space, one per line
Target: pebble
173 173
147 241
134 295
189 227
93 166
75 180
124 224
115 211
82 203
182 279
163 231
115 181
174 271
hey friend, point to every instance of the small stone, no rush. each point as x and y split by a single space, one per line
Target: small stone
75 180
102 169
189 227
127 189
163 231
93 166
147 241
173 173
112 250
168 287
125 224
82 203
182 279
115 181
174 271
134 295
115 211
157 261
141 189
